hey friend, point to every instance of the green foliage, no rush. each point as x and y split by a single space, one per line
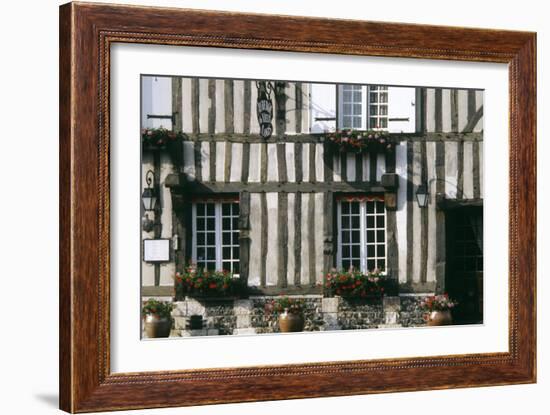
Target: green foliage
159 137
158 308
354 283
357 141
284 303
198 281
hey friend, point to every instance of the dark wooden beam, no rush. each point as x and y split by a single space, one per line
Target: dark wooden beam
178 183
244 237
228 105
212 108
282 239
321 138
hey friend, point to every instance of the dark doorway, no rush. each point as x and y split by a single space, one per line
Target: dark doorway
464 270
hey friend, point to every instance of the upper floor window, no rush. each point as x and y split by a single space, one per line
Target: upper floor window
215 244
363 107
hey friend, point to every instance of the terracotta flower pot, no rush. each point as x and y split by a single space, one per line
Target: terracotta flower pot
440 318
291 322
156 326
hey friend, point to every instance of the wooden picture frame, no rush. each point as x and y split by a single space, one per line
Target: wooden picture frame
86 33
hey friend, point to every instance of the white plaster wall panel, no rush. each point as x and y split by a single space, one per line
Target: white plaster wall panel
432 230
254 127
236 162
401 213
189 160
290 91
290 162
304 275
238 106
220 106
446 110
451 169
319 163
187 120
462 109
416 215
468 176
272 263
430 109
319 225
272 163
204 105
291 264
205 161
305 162
220 161
254 166
255 240
479 103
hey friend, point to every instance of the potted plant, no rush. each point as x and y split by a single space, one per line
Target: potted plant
290 313
157 318
438 309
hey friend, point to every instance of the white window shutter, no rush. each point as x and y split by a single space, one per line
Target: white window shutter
322 108
156 100
401 110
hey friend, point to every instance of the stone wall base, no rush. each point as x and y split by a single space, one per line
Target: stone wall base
227 316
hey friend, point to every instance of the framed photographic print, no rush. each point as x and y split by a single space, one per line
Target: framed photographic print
341 207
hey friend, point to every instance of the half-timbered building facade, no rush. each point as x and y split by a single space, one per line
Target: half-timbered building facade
279 212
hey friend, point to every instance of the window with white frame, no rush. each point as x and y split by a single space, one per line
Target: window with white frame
361 233
363 107
215 244
378 107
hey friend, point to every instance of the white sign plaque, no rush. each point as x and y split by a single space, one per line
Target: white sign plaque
156 250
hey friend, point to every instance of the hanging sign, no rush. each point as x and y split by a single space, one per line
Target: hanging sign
264 109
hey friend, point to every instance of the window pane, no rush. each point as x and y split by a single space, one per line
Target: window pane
235 253
211 253
200 238
345 237
356 109
345 251
211 266
355 251
200 253
380 221
226 266
380 250
346 264
373 110
345 208
355 237
380 207
235 267
383 123
345 222
357 96
347 109
355 222
373 123
370 221
226 209
383 97
347 96
211 224
200 224
211 238
236 209
381 264
356 263
370 236
210 209
235 238
226 238
373 97
226 253
370 207
355 208
379 236
370 251
383 109
235 223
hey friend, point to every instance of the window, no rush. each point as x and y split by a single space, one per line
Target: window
215 243
378 107
352 100
363 107
361 233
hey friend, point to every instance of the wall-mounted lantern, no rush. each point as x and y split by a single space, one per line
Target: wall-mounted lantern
423 195
264 108
149 200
